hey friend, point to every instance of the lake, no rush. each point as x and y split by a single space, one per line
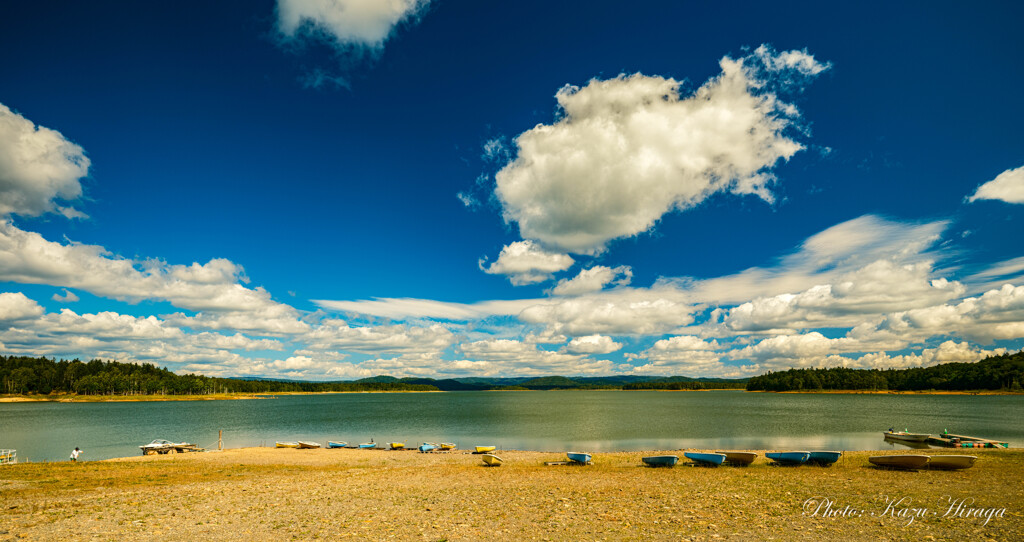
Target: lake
593 421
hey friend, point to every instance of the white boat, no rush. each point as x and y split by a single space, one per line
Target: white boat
161 446
907 461
909 437
307 444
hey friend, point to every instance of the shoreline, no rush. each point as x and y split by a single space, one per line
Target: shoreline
245 493
74 398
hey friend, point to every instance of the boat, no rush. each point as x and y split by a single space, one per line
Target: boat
739 458
485 449
368 445
447 446
287 445
578 457
661 460
427 447
491 460
908 461
903 435
308 445
824 458
704 458
161 446
951 462
336 444
397 445
788 458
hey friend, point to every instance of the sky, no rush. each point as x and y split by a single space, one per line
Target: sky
338 189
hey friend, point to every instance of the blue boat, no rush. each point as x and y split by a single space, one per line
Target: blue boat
661 460
368 445
578 457
335 444
824 458
789 458
705 458
426 447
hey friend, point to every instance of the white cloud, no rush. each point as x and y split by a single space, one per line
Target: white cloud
592 344
593 280
623 311
628 150
16 306
346 23
68 297
38 168
1008 186
338 335
526 262
403 308
686 355
27 257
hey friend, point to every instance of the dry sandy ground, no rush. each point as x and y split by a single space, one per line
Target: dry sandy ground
384 495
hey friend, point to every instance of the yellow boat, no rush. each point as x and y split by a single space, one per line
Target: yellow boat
397 445
287 445
447 446
491 460
485 449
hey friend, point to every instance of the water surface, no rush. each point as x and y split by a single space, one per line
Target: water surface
595 421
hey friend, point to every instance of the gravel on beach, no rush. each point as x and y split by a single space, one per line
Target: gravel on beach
242 494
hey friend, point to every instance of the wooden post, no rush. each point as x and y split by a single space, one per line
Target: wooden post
220 439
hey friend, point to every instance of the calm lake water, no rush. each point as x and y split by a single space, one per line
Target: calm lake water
595 421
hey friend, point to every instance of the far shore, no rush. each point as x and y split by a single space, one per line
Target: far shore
74 398
242 494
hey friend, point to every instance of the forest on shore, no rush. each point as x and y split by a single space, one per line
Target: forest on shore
996 373
21 375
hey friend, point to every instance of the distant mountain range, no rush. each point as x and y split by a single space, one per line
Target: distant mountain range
532 383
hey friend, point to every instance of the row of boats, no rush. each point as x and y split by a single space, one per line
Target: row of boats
425 447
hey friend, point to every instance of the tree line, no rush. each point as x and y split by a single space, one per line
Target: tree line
21 375
1004 372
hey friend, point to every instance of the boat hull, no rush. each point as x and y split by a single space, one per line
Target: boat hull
824 458
308 445
789 458
447 446
397 445
484 449
705 458
739 458
425 447
910 461
661 460
491 460
333 444
286 445
367 446
578 457
951 462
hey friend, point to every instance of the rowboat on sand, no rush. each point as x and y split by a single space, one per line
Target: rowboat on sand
397 445
286 445
368 445
739 458
484 449
336 444
789 458
491 460
703 458
951 462
906 461
578 457
661 460
427 447
824 458
308 445
447 446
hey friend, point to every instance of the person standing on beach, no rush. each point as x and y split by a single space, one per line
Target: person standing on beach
75 453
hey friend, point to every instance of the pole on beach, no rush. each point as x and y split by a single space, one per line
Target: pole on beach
220 439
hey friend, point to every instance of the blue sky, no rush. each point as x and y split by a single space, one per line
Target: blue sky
338 189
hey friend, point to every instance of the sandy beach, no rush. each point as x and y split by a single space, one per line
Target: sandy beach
242 494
